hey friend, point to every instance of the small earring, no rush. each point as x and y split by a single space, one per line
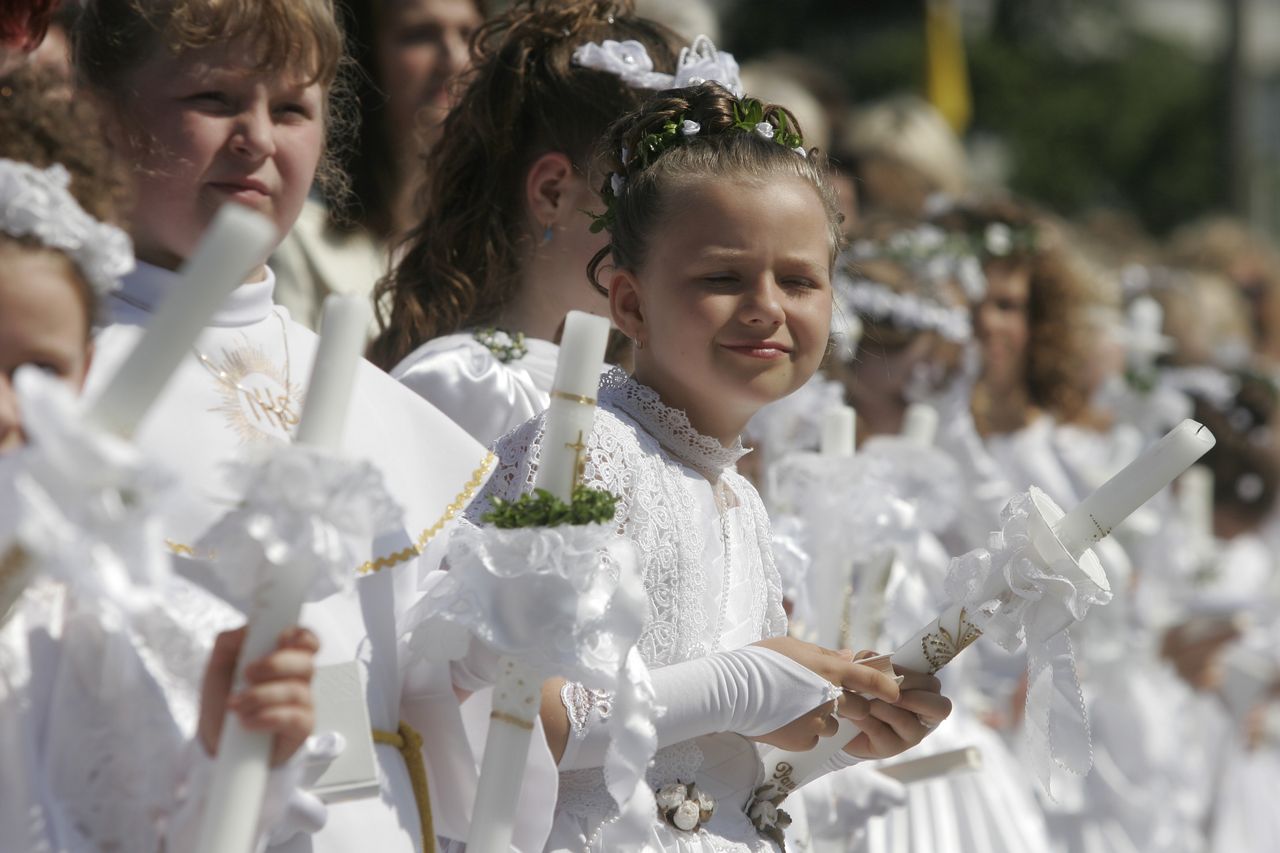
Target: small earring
639 343
547 234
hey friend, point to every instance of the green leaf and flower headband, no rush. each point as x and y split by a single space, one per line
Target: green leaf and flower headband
748 117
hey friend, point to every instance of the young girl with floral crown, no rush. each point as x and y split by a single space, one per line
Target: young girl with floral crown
75 777
723 232
471 311
226 101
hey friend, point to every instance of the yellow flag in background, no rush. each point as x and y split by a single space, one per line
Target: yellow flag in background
946 75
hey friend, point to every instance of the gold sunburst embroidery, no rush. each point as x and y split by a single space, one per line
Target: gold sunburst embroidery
939 648
259 399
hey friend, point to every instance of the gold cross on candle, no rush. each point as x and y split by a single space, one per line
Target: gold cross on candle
579 461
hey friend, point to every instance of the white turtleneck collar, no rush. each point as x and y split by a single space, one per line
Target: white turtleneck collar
145 288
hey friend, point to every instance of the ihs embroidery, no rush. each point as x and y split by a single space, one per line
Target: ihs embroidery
259 399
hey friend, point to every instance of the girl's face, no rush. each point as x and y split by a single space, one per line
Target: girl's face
1003 327
421 48
732 306
43 322
209 130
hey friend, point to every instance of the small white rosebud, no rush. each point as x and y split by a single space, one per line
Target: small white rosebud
765 129
998 239
686 816
800 149
690 128
671 796
764 814
616 183
626 155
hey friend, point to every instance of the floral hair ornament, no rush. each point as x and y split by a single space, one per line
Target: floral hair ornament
877 302
931 253
700 62
748 117
36 204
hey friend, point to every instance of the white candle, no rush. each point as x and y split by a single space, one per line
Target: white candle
1195 502
516 700
237 241
573 403
1115 500
839 431
240 770
867 612
935 766
920 424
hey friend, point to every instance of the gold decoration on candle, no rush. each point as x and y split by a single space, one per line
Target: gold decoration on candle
580 399
579 449
940 647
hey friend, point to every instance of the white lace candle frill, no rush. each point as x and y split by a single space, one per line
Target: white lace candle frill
86 502
1025 588
564 601
305 509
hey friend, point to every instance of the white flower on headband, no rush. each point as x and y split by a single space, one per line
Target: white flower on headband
689 127
765 129
627 59
616 183
799 149
36 204
700 62
878 302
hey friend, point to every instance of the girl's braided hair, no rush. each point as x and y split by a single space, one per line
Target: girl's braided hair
686 135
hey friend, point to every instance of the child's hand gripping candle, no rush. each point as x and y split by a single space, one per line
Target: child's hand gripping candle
1038 578
519 688
306 515
237 241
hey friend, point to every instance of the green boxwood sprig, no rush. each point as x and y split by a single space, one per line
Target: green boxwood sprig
540 508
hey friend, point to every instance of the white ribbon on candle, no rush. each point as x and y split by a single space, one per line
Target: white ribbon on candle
1045 591
564 601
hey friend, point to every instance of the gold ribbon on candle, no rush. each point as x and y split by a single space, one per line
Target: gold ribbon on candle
409 743
580 399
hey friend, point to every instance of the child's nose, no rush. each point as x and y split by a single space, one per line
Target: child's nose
763 305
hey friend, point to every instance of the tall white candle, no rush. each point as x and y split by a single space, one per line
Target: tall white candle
839 431
242 764
920 424
1115 500
516 696
942 639
573 403
237 241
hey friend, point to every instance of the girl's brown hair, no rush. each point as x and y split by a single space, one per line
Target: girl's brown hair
41 127
525 98
113 38
720 148
1061 293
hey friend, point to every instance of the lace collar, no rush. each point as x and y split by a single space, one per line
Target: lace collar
145 288
669 426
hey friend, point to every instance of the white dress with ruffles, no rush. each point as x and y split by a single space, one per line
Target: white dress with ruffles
702 537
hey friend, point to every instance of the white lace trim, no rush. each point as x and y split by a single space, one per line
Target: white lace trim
671 427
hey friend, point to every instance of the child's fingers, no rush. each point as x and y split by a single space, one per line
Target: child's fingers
907 726
280 665
854 707
934 707
293 721
287 692
868 682
912 680
299 638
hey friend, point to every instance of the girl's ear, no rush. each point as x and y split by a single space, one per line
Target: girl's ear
625 305
547 191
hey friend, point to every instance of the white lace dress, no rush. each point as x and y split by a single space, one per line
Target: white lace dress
703 540
486 390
